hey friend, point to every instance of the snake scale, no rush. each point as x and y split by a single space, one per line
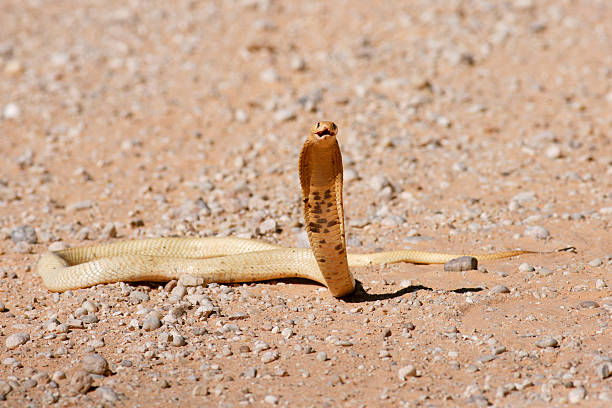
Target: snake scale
232 260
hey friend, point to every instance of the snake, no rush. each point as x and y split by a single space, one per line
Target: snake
241 260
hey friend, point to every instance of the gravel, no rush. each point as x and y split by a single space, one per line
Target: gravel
17 339
407 371
547 342
463 263
25 233
95 363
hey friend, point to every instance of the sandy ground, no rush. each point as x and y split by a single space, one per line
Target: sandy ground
465 126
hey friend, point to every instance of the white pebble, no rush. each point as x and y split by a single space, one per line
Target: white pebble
11 111
406 371
16 340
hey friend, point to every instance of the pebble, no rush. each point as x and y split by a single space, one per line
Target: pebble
322 356
537 232
499 289
270 356
596 262
576 395
271 399
463 263
588 304
81 382
11 111
604 370
151 322
15 340
600 284
24 233
95 363
406 371
269 75
553 151
267 226
525 267
284 115
547 342
200 390
106 393
5 389
139 296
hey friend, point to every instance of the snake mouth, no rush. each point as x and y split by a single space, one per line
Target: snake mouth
323 132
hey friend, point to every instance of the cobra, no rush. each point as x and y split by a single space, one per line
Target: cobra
233 260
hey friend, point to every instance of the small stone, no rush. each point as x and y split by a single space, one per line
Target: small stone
604 370
200 390
600 284
486 358
268 226
322 356
25 233
5 389
576 395
106 393
269 356
95 363
378 182
406 371
163 384
544 272
109 231
178 340
11 111
13 68
80 205
139 296
596 262
81 382
15 340
547 342
553 151
499 289
284 115
22 248
241 116
588 304
58 376
250 372
269 75
151 322
286 332
463 263
537 232
525 267
297 63
271 399
50 397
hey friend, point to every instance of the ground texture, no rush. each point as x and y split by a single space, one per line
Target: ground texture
465 126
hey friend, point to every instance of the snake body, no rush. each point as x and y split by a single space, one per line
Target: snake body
231 260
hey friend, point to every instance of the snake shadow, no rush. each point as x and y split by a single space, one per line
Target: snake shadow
360 295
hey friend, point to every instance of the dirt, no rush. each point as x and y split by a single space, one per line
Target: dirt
465 126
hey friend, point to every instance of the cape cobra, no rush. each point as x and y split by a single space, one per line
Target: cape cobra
231 260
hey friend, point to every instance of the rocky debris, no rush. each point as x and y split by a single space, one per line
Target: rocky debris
17 339
25 233
463 263
405 372
95 363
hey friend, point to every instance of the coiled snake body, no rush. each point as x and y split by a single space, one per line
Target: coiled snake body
231 260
